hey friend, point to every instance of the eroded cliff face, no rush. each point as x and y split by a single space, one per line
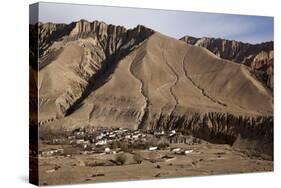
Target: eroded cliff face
101 46
251 134
110 36
259 57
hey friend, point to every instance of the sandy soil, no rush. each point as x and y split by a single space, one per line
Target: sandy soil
206 159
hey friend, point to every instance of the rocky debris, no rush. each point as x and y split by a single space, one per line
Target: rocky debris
98 175
157 175
53 169
257 56
168 158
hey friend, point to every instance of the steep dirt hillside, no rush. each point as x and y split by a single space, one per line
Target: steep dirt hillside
257 56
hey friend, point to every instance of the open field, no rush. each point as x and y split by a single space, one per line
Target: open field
206 159
116 154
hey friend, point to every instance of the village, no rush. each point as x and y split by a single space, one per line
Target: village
96 154
116 140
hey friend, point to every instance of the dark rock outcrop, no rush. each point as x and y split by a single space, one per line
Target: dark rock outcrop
253 135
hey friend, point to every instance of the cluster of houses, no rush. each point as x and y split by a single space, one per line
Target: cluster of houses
103 138
51 151
100 140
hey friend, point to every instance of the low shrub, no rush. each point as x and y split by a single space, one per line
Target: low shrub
121 158
138 158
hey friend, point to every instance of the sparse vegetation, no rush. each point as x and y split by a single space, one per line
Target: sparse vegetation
151 141
115 145
163 143
124 146
139 145
94 164
47 133
138 158
121 158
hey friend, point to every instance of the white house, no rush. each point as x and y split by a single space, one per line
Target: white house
80 141
101 142
107 150
152 148
188 151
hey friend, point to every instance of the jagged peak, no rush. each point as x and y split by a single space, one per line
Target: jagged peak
84 26
188 38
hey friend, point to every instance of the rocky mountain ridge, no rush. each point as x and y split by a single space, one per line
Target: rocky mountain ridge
259 57
50 32
108 44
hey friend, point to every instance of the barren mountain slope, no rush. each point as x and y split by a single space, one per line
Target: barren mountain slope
77 57
100 75
257 56
166 77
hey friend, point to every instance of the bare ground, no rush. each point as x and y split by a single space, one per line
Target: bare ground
206 159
